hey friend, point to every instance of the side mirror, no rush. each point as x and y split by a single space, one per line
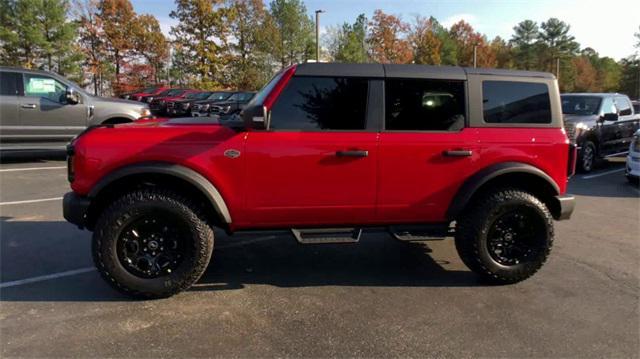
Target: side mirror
72 96
256 117
610 117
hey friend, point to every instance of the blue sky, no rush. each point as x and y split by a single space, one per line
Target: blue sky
607 26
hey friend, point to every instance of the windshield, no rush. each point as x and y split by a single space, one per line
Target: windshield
200 95
172 92
219 96
260 95
194 95
581 105
149 90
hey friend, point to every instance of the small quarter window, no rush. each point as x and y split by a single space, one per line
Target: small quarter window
9 83
424 105
511 102
321 103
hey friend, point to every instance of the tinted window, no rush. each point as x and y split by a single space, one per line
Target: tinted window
9 83
636 107
581 105
424 105
623 106
45 87
313 103
515 102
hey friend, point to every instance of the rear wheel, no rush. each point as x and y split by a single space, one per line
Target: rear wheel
505 236
587 157
152 243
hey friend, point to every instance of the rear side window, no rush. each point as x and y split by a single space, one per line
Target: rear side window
424 105
321 103
512 102
9 83
623 106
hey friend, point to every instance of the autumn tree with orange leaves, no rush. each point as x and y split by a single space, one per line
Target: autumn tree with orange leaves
387 39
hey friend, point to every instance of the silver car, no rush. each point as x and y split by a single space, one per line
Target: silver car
42 110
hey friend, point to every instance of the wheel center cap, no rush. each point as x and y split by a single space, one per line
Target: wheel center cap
508 237
153 245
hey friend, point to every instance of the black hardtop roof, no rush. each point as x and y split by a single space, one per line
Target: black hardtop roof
407 71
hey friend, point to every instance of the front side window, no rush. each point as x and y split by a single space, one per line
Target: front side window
424 105
512 102
44 87
608 106
623 106
321 103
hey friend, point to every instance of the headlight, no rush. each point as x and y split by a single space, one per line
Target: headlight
145 112
186 105
148 99
582 126
226 109
205 107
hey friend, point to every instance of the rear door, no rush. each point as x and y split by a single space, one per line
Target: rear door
10 83
44 112
426 152
627 122
317 163
610 131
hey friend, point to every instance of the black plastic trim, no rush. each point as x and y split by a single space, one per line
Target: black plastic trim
566 204
473 183
75 208
187 174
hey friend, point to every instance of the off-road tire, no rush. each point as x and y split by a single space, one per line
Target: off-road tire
134 204
587 157
473 228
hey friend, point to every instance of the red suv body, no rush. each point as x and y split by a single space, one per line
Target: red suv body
328 149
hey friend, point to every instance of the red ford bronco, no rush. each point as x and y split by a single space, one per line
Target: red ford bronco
325 150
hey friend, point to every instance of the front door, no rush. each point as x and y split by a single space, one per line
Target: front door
45 114
10 83
627 122
317 162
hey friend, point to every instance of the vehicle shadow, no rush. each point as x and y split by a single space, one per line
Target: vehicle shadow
275 260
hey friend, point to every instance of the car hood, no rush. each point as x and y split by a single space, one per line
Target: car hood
102 102
580 118
199 102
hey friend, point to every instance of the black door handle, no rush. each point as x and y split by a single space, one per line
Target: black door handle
352 153
458 153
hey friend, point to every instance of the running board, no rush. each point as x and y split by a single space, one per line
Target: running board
327 235
420 233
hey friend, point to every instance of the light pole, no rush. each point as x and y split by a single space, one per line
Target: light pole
475 56
318 12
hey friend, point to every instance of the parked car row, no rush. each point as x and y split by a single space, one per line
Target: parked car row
164 101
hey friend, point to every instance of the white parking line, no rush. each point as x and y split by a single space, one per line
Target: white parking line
32 169
46 277
603 173
30 201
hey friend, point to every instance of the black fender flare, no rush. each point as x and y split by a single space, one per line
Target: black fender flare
476 181
178 171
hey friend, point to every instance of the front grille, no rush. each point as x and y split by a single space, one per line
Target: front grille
216 109
570 129
196 108
170 104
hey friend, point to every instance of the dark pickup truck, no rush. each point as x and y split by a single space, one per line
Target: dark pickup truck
601 124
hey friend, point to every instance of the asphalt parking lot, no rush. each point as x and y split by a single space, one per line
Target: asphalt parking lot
265 295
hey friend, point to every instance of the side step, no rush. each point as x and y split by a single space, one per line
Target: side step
421 233
327 235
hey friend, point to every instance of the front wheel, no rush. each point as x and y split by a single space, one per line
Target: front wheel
152 243
587 157
506 236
